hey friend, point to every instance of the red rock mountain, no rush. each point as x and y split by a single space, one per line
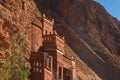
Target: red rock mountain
90 31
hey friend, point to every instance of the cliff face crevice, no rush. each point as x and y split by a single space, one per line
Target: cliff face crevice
89 30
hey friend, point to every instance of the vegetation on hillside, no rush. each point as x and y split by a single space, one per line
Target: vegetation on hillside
15 67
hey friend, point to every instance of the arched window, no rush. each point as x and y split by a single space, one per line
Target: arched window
50 33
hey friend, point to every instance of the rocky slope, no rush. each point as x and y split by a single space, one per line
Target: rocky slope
15 19
90 31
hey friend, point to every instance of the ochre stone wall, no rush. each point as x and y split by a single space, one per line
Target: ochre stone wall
36 38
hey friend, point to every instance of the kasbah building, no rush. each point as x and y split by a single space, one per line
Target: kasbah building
48 59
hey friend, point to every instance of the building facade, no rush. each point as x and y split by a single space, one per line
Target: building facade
48 59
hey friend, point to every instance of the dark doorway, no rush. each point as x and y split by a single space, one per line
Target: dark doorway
67 74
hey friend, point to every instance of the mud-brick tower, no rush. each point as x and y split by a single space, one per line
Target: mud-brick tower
63 66
41 62
50 62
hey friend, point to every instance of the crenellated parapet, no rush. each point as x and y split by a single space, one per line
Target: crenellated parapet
53 41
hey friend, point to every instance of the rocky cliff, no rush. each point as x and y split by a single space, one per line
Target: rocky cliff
16 17
90 31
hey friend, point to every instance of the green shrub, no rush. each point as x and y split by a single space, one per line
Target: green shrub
15 66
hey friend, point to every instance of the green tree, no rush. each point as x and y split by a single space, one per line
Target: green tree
15 66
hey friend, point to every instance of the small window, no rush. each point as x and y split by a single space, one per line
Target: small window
37 69
37 64
40 70
40 65
45 32
48 62
50 33
60 72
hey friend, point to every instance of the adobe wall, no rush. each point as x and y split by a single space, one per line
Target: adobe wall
37 64
63 61
59 43
36 38
48 75
47 26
